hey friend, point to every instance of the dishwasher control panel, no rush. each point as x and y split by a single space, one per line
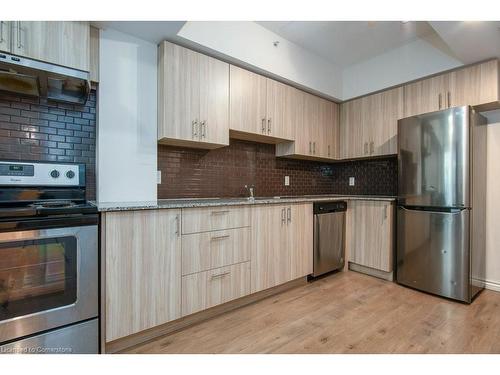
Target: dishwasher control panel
326 207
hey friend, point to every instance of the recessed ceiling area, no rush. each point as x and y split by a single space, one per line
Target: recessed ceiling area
348 42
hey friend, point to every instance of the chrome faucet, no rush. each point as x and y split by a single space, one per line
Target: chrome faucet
250 191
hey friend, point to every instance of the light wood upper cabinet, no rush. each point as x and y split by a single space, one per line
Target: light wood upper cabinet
247 101
5 36
94 53
261 109
370 234
143 270
474 85
193 98
425 96
328 125
283 241
368 125
65 43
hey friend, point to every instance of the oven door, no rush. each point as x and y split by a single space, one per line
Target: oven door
48 278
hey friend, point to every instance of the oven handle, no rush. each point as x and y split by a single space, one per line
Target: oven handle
49 222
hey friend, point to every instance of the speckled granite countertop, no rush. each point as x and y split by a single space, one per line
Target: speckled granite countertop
214 202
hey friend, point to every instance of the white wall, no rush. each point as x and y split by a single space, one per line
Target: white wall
127 130
493 202
252 45
409 62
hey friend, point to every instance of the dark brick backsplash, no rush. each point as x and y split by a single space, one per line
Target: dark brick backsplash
192 173
40 130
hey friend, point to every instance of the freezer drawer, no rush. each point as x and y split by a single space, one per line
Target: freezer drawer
434 160
433 252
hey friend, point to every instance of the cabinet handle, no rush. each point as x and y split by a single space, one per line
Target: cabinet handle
372 148
448 97
203 129
314 147
289 215
218 276
385 212
439 100
269 126
283 216
263 125
220 212
19 43
310 147
195 128
365 148
177 225
328 150
220 237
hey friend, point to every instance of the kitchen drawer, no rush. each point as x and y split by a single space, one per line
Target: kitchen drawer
196 220
203 290
209 250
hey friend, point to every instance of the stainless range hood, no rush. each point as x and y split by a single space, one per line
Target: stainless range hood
25 76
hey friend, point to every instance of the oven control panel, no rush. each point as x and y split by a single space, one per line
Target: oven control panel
41 174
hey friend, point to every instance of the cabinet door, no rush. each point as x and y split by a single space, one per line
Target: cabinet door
143 270
270 259
247 93
385 109
371 234
478 84
351 129
5 36
279 110
311 126
300 240
178 94
65 43
425 96
214 100
328 137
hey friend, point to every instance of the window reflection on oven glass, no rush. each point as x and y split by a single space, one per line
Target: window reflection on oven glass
37 275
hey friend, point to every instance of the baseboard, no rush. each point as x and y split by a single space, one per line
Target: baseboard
389 276
492 285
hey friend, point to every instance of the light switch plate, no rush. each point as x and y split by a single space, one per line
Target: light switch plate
351 181
158 177
287 180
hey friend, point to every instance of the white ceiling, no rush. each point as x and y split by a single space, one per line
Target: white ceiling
348 42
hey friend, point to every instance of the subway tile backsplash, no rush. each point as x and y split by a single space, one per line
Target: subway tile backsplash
41 130
193 173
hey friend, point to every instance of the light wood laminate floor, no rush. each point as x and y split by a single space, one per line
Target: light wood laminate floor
345 313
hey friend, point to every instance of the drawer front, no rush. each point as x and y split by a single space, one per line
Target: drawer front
209 250
196 220
203 290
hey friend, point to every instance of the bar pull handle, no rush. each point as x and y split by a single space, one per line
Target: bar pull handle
328 150
220 275
385 212
372 148
448 96
220 237
203 128
314 147
220 212
289 215
269 126
365 148
283 216
310 147
263 125
439 100
177 225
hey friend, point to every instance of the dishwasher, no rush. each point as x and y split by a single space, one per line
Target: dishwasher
329 236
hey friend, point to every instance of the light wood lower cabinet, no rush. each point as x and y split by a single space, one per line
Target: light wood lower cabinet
203 290
209 250
143 270
370 232
283 241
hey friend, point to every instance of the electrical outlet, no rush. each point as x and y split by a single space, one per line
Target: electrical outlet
351 181
287 180
158 177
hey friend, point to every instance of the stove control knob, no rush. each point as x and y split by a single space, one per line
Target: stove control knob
54 173
70 174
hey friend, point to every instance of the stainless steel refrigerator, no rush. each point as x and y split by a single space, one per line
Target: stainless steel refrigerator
442 203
